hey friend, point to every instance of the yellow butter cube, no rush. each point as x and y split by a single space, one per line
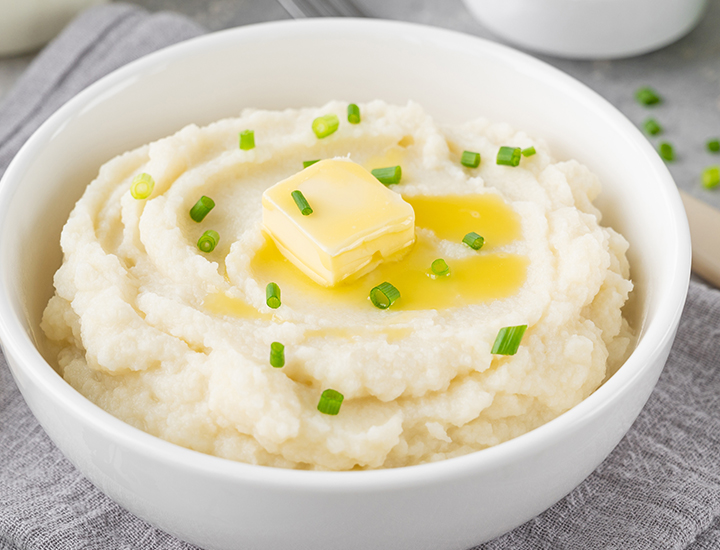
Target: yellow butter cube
356 221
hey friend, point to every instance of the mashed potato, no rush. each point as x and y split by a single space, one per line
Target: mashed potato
175 341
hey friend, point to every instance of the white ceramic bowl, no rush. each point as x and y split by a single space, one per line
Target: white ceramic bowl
589 29
220 504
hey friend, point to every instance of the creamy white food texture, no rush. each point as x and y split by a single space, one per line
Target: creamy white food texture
134 333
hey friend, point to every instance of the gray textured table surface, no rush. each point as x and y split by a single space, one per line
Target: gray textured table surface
686 74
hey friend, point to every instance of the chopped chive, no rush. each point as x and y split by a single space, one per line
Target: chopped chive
530 151
473 240
666 151
713 145
325 125
247 140
142 186
277 355
272 295
647 96
508 340
388 175
711 177
384 295
208 241
652 127
509 156
302 203
330 402
440 267
353 114
470 159
201 208
307 163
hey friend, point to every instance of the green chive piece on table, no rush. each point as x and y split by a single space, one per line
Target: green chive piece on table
325 125
330 402
470 159
247 140
528 152
272 295
652 127
201 208
440 267
142 186
353 112
508 340
307 163
302 203
647 96
473 240
713 145
208 241
711 177
509 156
666 151
388 175
277 355
384 295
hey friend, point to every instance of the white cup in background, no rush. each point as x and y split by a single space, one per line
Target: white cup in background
589 29
26 25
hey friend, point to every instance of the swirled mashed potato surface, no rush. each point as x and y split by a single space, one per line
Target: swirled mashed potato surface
176 342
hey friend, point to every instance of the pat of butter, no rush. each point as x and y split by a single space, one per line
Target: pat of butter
356 221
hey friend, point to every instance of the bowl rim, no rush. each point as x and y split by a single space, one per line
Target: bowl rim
655 334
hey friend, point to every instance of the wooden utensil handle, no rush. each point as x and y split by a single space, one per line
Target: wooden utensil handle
704 223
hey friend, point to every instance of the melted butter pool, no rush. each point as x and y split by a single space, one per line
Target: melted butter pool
483 276
454 216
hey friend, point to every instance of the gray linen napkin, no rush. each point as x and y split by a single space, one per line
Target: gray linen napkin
660 488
